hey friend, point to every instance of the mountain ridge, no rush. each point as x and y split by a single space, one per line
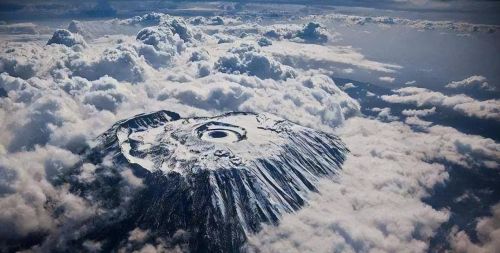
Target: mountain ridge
216 179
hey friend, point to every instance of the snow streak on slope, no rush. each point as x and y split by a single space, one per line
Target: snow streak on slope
217 178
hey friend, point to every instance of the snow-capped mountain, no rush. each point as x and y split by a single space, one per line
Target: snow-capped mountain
215 179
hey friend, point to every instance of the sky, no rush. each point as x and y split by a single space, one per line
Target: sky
479 11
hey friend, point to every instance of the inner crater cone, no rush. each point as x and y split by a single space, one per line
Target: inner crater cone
217 178
217 134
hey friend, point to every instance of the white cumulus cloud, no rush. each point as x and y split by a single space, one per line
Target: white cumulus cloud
472 81
488 232
376 205
487 109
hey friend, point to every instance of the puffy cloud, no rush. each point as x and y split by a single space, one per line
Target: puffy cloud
38 126
18 62
174 24
22 28
313 32
148 19
310 56
67 38
204 69
416 121
27 205
264 42
122 63
438 143
162 42
131 179
280 31
247 59
216 20
384 114
75 26
423 112
221 38
376 205
466 150
34 124
201 55
160 37
141 241
138 235
36 112
312 100
9 83
419 24
487 109
104 94
488 233
91 246
348 86
472 81
387 79
160 46
87 173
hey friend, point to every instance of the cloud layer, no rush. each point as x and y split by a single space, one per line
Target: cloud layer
376 205
471 82
56 98
486 109
488 232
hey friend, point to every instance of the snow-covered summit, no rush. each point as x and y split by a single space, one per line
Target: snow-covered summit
218 178
222 142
